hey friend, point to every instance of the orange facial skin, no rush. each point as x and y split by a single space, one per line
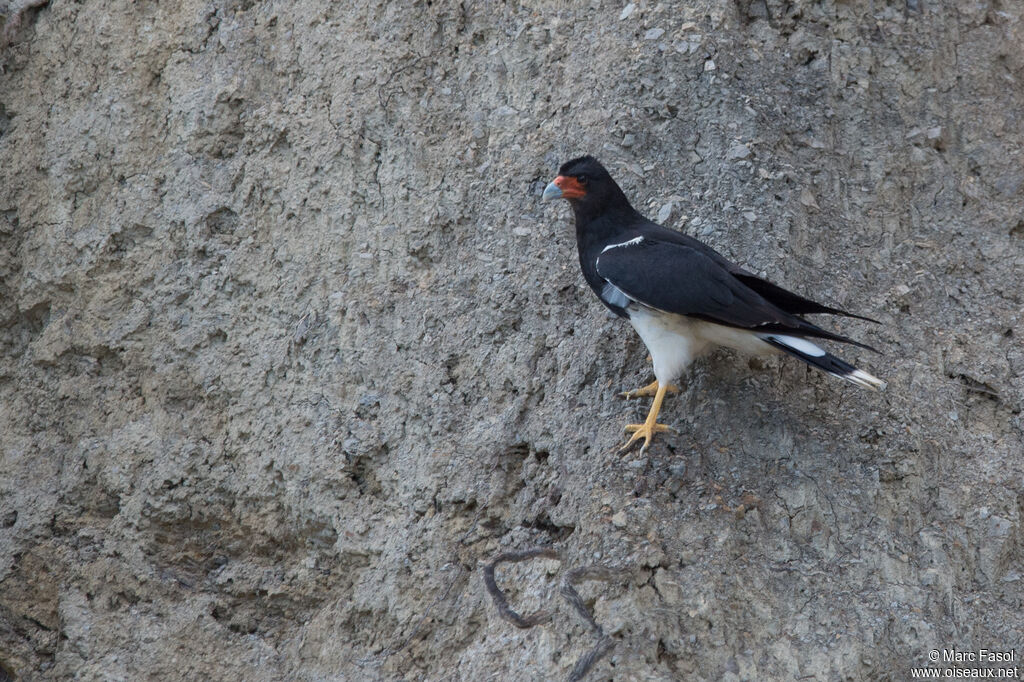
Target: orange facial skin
570 186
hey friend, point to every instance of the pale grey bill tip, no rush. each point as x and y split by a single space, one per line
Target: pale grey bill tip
551 192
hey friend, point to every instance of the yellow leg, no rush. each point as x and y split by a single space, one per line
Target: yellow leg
650 425
648 391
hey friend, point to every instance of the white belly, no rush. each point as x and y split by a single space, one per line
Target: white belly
675 341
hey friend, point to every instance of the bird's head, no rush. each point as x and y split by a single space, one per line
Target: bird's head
586 184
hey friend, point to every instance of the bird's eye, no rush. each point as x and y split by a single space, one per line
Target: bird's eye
582 179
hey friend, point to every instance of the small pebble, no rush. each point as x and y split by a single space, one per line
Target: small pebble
807 198
738 152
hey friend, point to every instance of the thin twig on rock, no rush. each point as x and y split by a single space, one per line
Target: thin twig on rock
604 642
504 610
568 591
578 575
587 660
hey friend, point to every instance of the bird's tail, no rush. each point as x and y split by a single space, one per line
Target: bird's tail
816 356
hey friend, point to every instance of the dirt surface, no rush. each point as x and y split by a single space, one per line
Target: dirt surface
291 349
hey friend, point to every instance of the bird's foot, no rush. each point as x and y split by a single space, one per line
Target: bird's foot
648 391
645 431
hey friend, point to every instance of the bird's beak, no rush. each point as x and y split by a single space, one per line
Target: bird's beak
564 187
552 191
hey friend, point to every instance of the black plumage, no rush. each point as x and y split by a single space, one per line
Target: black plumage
681 295
684 280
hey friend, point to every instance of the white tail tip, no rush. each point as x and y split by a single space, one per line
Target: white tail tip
862 378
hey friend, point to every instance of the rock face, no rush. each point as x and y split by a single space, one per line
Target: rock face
290 348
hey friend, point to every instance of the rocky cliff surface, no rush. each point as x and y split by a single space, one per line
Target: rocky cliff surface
290 348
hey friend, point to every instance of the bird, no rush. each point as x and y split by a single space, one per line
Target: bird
682 297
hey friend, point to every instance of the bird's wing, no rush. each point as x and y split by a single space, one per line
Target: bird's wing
677 278
788 301
794 304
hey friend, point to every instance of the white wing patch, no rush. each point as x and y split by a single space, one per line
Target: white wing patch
799 345
612 295
632 242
